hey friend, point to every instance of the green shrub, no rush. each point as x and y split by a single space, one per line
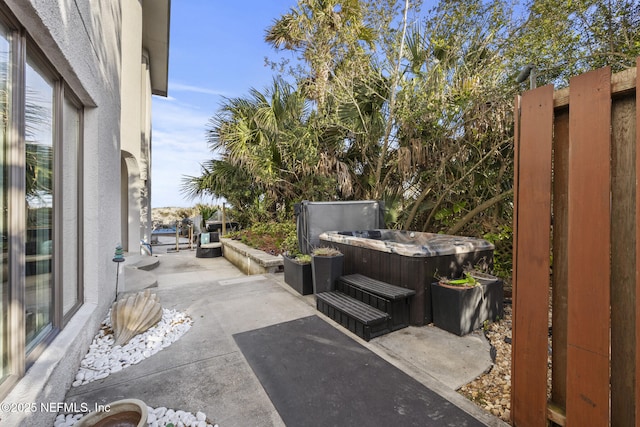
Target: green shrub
303 259
290 244
268 236
503 254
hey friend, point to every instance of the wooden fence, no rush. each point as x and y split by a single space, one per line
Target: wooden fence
575 268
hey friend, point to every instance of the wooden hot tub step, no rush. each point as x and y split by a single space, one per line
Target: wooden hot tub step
393 300
363 320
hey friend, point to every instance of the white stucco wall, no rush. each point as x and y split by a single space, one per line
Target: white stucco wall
136 128
130 130
82 41
146 224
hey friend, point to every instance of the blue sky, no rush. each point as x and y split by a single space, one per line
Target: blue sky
216 50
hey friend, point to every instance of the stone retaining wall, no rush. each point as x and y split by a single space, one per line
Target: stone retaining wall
250 260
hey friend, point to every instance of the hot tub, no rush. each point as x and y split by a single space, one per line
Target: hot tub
409 259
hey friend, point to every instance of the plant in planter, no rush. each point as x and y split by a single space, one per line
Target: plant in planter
297 266
326 264
461 305
467 281
298 273
206 212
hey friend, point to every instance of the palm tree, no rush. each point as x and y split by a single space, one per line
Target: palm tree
267 147
221 179
324 33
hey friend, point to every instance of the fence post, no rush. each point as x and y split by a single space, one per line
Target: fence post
589 244
532 225
637 277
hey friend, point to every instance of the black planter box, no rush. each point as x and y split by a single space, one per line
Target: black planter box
298 276
326 270
460 310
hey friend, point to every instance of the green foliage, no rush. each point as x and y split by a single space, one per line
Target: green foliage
503 254
467 281
267 147
268 236
290 243
325 251
206 212
415 109
564 39
326 35
302 259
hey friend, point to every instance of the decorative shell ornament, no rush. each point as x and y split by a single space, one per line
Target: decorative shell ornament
133 315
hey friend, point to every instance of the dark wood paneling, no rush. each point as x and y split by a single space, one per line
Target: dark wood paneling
589 244
416 273
637 257
623 266
559 266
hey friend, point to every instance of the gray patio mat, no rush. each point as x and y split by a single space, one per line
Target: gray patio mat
317 376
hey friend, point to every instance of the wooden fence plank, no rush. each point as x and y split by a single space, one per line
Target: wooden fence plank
623 266
514 245
637 193
589 244
560 233
531 261
622 84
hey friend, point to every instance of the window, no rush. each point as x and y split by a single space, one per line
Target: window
39 177
40 223
5 84
71 156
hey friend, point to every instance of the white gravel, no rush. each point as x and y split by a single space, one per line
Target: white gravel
157 417
104 358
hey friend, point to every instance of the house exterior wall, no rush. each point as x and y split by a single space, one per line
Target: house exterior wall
134 131
146 223
96 48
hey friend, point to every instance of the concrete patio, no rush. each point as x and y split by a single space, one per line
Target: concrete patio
205 370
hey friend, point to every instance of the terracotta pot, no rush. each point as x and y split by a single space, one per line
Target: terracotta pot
121 413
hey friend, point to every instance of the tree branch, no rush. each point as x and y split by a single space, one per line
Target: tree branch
377 193
481 207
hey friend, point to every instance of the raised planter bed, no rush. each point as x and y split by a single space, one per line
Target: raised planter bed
250 260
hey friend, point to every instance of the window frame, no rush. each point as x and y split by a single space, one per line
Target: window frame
35 55
20 43
63 318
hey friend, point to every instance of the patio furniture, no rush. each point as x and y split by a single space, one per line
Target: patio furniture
208 246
